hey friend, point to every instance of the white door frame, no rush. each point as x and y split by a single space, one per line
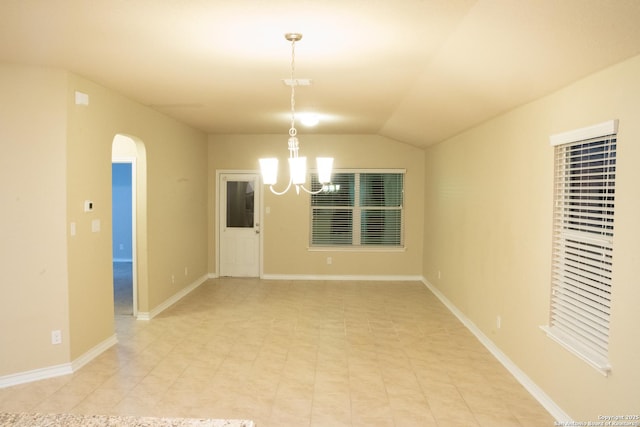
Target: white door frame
260 216
134 245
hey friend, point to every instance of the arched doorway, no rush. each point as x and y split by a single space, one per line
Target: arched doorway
128 159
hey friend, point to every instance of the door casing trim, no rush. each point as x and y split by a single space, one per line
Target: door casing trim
219 173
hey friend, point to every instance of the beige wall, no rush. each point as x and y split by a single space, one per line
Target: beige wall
56 155
488 200
288 220
176 170
33 287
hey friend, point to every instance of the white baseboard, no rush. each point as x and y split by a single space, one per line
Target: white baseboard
57 370
69 368
35 375
341 277
143 315
518 374
93 353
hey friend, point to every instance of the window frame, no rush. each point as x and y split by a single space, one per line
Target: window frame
356 210
582 248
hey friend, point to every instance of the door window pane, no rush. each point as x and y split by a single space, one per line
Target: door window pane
240 204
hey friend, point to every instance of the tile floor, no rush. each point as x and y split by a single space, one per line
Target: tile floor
122 288
285 353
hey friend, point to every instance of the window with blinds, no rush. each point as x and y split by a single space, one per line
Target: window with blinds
583 229
367 210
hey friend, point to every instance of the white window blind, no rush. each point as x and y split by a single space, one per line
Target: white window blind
583 226
367 210
332 214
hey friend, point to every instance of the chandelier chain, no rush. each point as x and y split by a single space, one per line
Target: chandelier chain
292 130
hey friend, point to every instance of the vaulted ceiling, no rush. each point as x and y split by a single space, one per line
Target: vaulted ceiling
418 71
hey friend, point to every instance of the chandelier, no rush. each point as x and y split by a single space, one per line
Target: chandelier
297 164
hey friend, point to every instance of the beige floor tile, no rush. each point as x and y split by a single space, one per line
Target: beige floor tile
295 389
370 408
542 420
58 403
100 401
493 420
366 421
135 406
414 421
458 419
331 419
293 353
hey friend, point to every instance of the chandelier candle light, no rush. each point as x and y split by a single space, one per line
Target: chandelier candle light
297 164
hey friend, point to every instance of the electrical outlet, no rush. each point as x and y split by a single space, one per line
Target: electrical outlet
439 275
56 337
329 260
498 322
186 271
173 279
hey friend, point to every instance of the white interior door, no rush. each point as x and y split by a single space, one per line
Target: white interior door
239 225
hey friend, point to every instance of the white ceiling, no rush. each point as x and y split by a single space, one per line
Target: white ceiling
417 71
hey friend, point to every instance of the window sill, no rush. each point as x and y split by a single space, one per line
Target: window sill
356 249
596 361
